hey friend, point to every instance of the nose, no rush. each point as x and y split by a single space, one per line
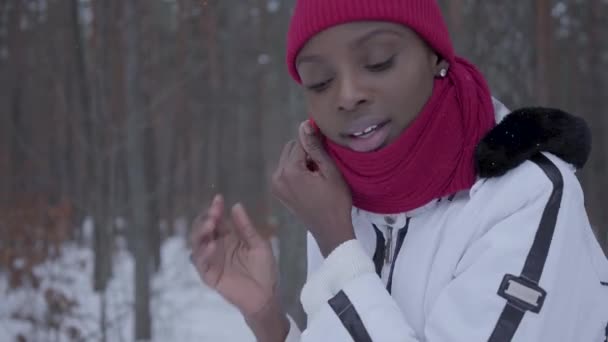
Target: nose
352 94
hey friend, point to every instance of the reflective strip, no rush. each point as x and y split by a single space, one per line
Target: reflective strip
523 293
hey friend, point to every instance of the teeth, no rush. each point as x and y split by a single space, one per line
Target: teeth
369 129
366 131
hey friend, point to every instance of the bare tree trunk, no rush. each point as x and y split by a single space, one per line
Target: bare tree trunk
210 29
5 119
228 154
137 177
543 50
147 40
596 107
15 44
93 111
81 99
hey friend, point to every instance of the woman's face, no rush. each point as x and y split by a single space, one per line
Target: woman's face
366 81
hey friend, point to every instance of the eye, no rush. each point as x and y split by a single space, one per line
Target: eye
378 67
319 87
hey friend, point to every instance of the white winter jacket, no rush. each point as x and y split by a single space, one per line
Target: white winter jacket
512 259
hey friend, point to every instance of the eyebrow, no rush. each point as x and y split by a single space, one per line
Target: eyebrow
357 42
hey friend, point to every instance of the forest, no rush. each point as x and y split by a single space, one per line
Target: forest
120 119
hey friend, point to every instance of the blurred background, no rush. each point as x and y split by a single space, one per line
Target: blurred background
120 119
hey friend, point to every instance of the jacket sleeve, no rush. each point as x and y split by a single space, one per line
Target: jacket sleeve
496 293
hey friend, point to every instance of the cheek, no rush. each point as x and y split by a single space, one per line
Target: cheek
414 81
415 85
318 109
313 109
406 99
323 123
314 102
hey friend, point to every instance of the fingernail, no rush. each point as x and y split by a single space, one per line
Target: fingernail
192 258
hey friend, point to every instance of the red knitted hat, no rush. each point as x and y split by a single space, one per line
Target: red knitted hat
313 16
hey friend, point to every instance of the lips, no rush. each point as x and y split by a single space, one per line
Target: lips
367 135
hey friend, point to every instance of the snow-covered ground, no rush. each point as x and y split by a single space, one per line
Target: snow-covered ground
182 308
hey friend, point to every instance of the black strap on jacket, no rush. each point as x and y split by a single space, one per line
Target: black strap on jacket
349 316
379 253
400 239
523 292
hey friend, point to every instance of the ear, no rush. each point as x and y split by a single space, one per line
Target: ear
441 67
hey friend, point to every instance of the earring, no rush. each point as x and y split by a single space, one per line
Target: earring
443 72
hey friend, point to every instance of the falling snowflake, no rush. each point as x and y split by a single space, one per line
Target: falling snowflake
263 59
272 6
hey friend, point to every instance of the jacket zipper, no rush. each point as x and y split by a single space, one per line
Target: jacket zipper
386 254
388 246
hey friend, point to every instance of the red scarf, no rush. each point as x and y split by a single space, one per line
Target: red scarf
433 157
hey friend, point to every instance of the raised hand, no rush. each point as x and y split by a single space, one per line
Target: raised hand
309 184
232 258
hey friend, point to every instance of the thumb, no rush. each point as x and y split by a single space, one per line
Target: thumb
244 228
312 144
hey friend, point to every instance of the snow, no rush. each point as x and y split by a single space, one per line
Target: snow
183 309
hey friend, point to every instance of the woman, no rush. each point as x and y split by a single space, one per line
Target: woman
427 220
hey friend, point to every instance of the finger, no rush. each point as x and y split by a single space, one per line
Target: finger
286 152
204 263
298 156
206 224
244 227
204 228
302 159
204 253
310 141
283 161
217 207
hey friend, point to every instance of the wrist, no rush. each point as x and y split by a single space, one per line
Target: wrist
336 236
270 324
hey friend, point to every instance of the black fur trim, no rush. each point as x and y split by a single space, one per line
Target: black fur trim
528 131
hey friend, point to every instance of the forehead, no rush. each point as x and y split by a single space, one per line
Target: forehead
352 35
